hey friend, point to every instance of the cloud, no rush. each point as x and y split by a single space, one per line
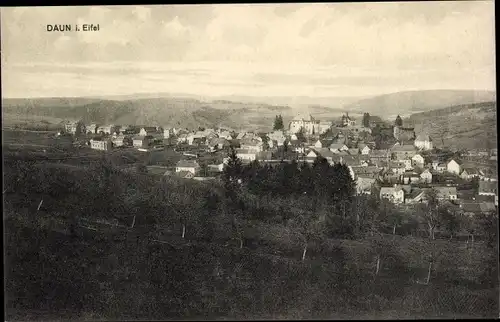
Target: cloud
389 45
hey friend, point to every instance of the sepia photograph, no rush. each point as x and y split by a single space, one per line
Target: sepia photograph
279 161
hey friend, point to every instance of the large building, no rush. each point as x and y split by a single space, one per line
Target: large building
404 134
423 142
103 145
309 124
75 127
347 120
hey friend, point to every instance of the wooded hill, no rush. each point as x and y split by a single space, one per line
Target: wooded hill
468 126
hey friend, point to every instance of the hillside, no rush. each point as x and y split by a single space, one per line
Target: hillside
166 111
469 126
406 103
178 112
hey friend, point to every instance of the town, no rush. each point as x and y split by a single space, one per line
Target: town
267 162
400 169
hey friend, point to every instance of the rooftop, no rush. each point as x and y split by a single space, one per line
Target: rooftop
187 164
423 137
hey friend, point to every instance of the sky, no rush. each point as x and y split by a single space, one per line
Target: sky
261 50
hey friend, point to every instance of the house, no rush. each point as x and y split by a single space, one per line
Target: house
364 185
487 188
241 135
410 177
394 194
307 124
185 174
277 136
141 141
119 140
469 173
423 142
311 156
216 167
218 144
246 155
401 152
167 133
322 144
366 172
226 135
404 134
415 196
296 146
187 165
441 167
418 160
426 176
325 153
453 167
106 129
100 144
338 147
197 141
472 208
377 155
407 163
353 151
398 168
148 130
210 134
91 128
74 127
364 148
434 164
182 138
252 145
351 160
446 193
489 175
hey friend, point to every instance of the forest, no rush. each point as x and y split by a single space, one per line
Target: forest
283 241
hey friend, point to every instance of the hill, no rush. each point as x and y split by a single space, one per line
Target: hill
165 111
409 102
178 112
468 126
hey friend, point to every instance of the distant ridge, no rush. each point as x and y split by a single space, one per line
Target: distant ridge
193 112
409 102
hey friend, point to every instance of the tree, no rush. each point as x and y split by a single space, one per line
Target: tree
399 121
278 123
285 149
471 225
395 219
233 170
488 223
301 135
309 225
366 119
450 220
429 212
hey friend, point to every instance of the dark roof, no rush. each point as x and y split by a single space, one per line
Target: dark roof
187 164
488 186
404 148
